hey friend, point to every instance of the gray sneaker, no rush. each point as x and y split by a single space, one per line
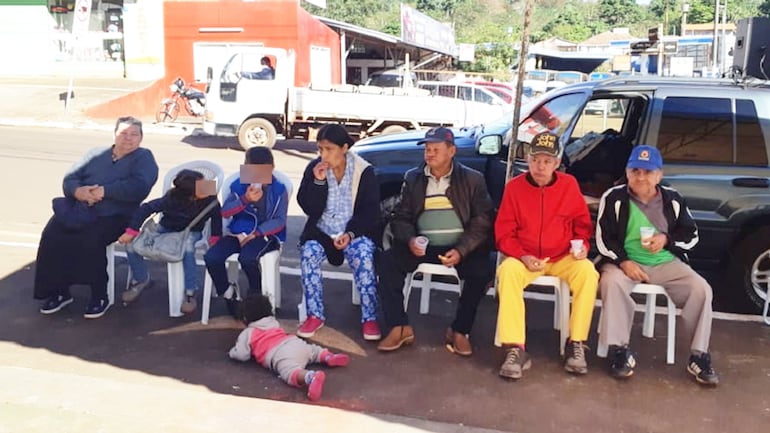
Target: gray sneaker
190 303
134 290
575 357
516 361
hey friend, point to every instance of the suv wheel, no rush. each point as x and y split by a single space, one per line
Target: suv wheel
750 265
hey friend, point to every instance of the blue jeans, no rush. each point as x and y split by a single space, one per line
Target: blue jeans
248 257
139 267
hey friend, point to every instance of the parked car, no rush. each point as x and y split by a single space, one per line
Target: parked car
392 78
714 136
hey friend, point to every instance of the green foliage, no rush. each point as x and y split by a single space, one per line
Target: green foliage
619 12
764 8
495 26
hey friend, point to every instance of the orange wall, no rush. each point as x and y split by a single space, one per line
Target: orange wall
274 23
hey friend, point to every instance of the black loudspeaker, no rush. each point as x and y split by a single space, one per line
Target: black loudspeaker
752 47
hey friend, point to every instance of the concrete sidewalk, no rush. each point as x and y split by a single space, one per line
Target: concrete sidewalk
35 101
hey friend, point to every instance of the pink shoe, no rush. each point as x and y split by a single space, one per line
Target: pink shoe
337 359
310 326
371 330
316 387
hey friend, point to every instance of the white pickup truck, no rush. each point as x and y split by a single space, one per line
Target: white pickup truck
254 106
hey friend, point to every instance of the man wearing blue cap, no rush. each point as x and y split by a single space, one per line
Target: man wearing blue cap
644 231
444 217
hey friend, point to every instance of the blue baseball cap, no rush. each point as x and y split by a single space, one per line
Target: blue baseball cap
645 157
438 135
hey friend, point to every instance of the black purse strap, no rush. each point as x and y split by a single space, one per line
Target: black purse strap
200 216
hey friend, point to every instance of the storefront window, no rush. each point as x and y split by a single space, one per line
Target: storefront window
104 40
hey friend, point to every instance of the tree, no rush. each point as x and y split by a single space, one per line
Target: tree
619 12
764 8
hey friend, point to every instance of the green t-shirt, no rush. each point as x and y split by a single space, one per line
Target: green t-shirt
633 242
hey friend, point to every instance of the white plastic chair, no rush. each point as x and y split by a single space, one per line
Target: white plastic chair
648 329
270 263
210 171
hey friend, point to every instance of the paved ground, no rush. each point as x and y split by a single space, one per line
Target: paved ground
136 368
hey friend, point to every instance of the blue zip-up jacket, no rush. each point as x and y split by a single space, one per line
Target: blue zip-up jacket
266 217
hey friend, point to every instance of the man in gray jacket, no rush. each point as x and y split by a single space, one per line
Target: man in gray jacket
644 232
446 204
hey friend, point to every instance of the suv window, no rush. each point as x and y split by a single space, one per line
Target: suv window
750 146
553 116
700 130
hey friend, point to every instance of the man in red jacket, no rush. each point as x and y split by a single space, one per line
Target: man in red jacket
542 211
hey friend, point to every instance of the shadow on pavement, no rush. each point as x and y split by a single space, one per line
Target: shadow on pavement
422 381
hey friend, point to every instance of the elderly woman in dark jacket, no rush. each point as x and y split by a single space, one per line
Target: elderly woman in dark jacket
109 184
341 198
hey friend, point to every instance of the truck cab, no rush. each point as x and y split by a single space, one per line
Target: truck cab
230 97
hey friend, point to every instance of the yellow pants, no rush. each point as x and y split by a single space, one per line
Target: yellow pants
513 277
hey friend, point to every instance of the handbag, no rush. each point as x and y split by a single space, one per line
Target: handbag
167 246
73 214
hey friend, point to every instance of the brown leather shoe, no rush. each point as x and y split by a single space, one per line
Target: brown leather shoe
457 343
397 337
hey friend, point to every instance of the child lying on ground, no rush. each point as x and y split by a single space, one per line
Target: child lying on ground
285 354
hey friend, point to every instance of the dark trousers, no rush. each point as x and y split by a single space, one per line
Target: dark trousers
395 263
66 257
248 258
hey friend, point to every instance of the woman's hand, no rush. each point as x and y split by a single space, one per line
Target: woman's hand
253 194
125 238
86 193
342 241
319 171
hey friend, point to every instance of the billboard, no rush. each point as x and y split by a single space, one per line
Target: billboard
423 31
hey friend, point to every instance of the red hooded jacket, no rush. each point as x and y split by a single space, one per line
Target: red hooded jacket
540 221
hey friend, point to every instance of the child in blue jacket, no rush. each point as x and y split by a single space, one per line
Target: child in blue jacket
257 226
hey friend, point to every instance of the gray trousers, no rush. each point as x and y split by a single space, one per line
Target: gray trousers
685 287
292 354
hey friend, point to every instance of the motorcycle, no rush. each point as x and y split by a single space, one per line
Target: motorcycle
194 102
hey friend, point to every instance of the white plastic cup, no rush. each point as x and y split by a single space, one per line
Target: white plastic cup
421 242
646 233
576 246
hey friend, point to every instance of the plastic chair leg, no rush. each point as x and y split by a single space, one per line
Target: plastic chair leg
563 314
407 289
670 345
356 297
425 293
648 329
208 284
110 252
175 289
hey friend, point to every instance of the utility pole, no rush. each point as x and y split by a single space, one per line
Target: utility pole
519 89
714 45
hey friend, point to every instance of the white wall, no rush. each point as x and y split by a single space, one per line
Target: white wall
26 40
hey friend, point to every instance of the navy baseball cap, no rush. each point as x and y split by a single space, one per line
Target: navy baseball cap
645 157
438 135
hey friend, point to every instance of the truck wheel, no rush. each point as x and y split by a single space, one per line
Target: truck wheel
256 132
393 129
750 265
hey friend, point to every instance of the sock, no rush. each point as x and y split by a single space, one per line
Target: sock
309 377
